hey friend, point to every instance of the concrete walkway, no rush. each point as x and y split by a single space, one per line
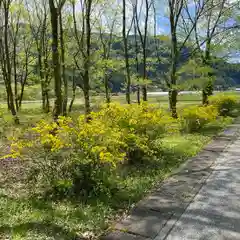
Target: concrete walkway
214 213
200 201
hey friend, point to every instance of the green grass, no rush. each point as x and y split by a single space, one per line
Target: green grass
27 216
186 99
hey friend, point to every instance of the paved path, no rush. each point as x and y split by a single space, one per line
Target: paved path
214 213
200 201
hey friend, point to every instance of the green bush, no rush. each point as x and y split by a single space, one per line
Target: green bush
193 118
224 103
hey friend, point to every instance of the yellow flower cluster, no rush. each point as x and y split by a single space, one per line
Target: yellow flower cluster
107 138
55 135
195 117
224 103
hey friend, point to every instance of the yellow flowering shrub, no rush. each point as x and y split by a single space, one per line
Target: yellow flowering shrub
194 118
224 103
141 119
99 142
139 124
81 156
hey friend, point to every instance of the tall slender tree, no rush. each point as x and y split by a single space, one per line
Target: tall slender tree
136 57
214 20
5 56
106 25
82 55
146 4
39 23
63 72
178 20
54 11
125 44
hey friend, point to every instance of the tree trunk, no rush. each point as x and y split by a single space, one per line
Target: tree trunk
173 102
15 74
22 91
136 60
125 42
41 78
86 85
138 95
144 87
12 107
107 94
42 46
204 97
74 86
8 102
22 87
144 92
23 79
8 65
21 96
46 86
43 97
47 107
207 91
65 83
208 88
55 60
173 70
87 102
173 92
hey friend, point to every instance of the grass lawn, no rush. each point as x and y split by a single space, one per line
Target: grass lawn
27 216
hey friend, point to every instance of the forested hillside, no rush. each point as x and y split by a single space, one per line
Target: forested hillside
227 74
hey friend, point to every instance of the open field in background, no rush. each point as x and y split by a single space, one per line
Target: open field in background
24 216
31 110
153 97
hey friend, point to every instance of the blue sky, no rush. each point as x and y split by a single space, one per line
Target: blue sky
163 27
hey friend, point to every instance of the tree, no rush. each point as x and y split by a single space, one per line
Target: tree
74 86
106 64
62 44
147 4
175 9
5 56
181 29
21 45
214 19
54 10
15 14
125 44
136 57
39 23
82 55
